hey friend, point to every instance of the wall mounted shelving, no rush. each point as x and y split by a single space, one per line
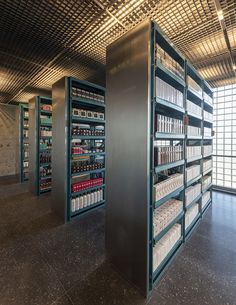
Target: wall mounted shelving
40 139
79 147
24 142
155 152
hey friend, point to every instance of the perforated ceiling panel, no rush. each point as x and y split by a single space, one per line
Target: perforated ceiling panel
41 41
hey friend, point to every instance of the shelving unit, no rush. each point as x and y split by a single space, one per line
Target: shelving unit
24 142
79 148
40 139
145 150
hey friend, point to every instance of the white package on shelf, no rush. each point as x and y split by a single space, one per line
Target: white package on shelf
190 215
192 192
194 85
207 132
168 125
192 172
165 245
168 154
206 181
205 198
193 131
207 150
168 93
161 189
207 98
207 164
193 151
207 115
165 214
191 107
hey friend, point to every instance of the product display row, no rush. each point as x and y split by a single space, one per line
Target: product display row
194 85
86 200
207 98
207 150
167 154
86 94
46 119
193 151
87 184
87 147
193 131
45 184
168 125
206 181
45 107
45 157
165 214
168 62
208 116
45 144
87 130
192 172
191 193
207 132
87 164
168 93
82 113
190 215
45 132
206 198
45 171
193 108
169 185
206 165
165 245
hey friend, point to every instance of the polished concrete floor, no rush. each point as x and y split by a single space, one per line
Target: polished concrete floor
43 262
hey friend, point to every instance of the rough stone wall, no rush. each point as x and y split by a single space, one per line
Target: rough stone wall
9 140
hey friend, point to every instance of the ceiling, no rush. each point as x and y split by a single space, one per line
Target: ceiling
44 40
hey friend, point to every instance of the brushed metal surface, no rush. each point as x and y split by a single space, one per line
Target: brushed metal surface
33 145
128 158
60 127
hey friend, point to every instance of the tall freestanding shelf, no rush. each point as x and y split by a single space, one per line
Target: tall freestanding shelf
40 144
78 147
24 142
154 153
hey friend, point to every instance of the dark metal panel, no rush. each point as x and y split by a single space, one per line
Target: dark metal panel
60 130
128 142
33 145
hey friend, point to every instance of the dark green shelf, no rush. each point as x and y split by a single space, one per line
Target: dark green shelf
88 172
79 119
45 190
167 258
168 227
195 200
88 137
171 77
46 124
193 180
208 155
166 136
169 196
45 164
206 120
88 190
196 116
193 159
161 168
170 105
192 225
89 208
194 137
207 171
87 101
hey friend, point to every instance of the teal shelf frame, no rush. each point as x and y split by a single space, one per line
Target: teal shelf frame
196 158
23 108
163 167
195 200
192 226
169 136
190 182
169 196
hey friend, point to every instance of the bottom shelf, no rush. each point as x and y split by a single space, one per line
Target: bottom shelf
192 225
83 210
206 206
45 190
167 260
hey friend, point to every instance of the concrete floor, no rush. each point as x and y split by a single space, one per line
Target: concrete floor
43 262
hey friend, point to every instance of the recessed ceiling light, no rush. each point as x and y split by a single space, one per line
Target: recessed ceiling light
234 67
220 15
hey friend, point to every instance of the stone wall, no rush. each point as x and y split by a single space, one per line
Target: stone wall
9 140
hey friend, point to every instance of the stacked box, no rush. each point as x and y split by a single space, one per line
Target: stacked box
207 164
168 125
193 131
206 181
207 150
168 93
205 198
190 215
168 186
192 172
192 193
193 151
167 154
193 108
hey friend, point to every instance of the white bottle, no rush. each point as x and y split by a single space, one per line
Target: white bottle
85 200
98 194
92 198
101 194
89 199
77 203
73 205
81 202
95 197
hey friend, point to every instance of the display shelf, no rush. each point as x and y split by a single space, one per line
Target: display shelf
87 209
189 160
163 167
167 136
40 107
192 226
207 188
207 171
75 129
207 155
144 92
207 138
188 183
159 269
195 200
207 205
169 196
160 101
167 228
23 138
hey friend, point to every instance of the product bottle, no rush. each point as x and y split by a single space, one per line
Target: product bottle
98 196
92 198
89 199
73 205
85 200
77 203
95 197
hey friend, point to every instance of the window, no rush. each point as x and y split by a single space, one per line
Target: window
224 144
